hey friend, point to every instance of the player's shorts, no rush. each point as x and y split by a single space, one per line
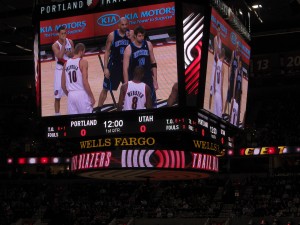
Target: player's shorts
58 91
212 78
116 77
218 106
79 102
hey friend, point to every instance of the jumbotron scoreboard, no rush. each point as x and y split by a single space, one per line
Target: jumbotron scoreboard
182 136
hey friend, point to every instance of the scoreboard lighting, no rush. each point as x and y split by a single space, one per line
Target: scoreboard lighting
22 161
274 150
32 160
44 160
230 152
39 160
9 161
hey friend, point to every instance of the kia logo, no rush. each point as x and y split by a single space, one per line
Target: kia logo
108 20
233 38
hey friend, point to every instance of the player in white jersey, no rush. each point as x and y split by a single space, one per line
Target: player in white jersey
135 94
75 83
217 51
63 49
218 85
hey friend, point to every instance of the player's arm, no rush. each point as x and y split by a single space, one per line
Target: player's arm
70 54
240 106
58 52
148 97
173 96
215 78
126 58
153 65
215 48
122 96
84 70
63 81
222 82
108 44
235 81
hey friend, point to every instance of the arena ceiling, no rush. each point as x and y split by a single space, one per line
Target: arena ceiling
280 17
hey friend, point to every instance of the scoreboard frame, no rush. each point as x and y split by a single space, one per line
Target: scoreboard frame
192 52
188 52
185 126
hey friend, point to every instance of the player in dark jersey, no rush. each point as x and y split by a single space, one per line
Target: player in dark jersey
235 57
116 43
236 105
238 82
140 53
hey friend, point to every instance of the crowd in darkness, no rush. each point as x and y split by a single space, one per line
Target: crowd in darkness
272 119
80 201
279 121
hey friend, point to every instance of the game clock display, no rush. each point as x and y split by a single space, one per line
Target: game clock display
119 124
160 123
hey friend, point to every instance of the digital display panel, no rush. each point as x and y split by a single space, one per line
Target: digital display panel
193 27
115 124
178 47
226 84
93 30
145 158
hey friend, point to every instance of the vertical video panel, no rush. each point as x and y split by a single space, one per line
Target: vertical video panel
93 31
227 72
193 26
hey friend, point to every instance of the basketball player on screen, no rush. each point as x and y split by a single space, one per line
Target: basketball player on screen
135 94
236 102
235 57
75 83
116 43
63 49
217 51
218 85
140 53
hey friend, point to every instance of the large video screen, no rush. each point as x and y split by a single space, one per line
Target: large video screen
93 30
227 72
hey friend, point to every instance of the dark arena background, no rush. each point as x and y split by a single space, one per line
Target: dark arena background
219 146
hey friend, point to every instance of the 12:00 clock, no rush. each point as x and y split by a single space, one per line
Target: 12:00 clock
113 123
